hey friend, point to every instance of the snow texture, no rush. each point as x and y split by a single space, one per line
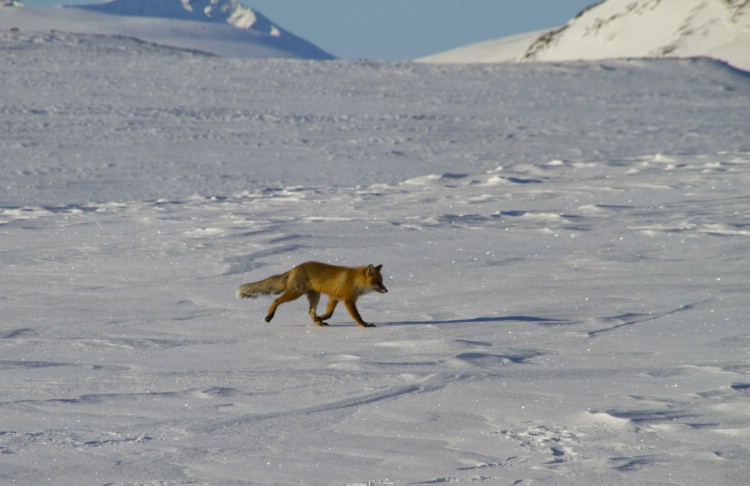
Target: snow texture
566 248
629 28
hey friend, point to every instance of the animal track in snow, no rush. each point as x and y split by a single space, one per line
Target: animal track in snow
556 442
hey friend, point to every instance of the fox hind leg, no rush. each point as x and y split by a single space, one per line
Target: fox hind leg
329 309
287 296
314 297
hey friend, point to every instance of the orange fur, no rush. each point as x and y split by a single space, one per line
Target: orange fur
314 278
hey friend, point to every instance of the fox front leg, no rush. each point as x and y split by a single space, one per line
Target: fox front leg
355 314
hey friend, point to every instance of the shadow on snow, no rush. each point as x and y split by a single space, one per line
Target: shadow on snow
533 319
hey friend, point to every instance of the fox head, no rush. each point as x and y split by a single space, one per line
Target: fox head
375 279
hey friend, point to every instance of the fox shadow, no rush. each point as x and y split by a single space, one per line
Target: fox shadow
545 321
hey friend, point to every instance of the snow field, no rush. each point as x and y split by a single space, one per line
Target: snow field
565 248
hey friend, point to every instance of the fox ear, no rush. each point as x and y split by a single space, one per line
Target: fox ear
372 269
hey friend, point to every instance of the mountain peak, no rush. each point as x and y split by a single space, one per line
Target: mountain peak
628 28
648 28
219 27
231 12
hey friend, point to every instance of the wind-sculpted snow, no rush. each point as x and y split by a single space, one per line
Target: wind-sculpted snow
566 249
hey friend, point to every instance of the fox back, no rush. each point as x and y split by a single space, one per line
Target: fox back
341 283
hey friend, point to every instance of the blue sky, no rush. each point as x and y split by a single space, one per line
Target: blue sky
402 29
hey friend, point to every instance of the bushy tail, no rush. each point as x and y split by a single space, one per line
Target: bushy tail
271 285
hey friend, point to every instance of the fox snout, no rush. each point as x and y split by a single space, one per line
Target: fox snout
381 289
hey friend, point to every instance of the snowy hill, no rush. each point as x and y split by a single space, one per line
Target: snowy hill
630 28
222 11
221 27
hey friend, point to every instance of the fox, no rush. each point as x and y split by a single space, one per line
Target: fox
314 278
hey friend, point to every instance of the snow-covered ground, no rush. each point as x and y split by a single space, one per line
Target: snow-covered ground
566 248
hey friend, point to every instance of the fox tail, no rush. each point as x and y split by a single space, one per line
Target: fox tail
271 285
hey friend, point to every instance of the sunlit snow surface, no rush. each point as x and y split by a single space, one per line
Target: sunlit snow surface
719 29
566 247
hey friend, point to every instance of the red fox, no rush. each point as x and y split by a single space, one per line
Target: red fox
315 278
